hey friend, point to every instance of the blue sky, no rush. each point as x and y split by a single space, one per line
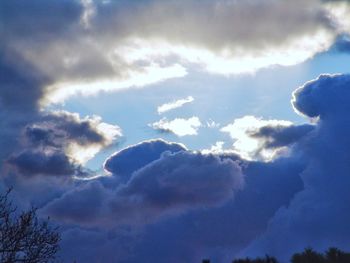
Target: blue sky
219 99
172 131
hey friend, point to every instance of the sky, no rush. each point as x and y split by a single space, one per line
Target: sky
171 131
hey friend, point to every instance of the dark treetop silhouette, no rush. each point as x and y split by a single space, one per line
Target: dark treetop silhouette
332 255
23 237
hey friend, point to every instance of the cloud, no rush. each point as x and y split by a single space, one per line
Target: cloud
338 11
123 163
84 47
55 163
184 196
309 100
248 146
52 50
180 127
317 215
60 142
172 185
135 78
212 124
275 136
174 104
282 206
217 148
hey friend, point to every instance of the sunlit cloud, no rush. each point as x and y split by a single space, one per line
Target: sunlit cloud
339 13
180 127
246 145
228 61
103 49
217 148
148 75
83 153
174 104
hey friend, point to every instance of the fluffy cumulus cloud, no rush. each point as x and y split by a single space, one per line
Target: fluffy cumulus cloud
83 47
317 215
60 143
123 163
173 184
185 196
179 126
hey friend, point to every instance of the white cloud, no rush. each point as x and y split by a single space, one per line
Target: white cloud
246 145
178 126
212 124
174 104
339 13
230 60
58 92
217 148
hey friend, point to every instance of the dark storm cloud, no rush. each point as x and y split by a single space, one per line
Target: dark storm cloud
38 19
61 128
219 233
21 83
47 144
188 188
31 163
280 136
185 196
174 184
318 215
20 90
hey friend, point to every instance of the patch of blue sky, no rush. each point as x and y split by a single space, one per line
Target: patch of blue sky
221 99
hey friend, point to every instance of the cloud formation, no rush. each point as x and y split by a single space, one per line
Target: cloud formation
285 204
247 143
60 142
83 47
172 185
123 163
174 104
180 127
183 200
185 196
318 214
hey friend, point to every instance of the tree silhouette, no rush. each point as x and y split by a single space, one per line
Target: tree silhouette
335 255
23 238
267 259
332 255
308 256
